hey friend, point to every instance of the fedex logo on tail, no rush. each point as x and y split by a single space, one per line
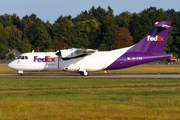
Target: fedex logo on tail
45 59
156 38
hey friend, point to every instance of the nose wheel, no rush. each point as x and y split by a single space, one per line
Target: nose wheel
20 72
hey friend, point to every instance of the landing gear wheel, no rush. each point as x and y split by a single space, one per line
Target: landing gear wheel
19 74
86 74
82 73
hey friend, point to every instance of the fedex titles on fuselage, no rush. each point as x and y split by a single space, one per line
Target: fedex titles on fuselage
45 59
156 38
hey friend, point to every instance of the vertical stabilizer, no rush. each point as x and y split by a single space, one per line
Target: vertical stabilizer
147 50
155 41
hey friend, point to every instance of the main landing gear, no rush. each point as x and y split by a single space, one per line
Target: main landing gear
83 72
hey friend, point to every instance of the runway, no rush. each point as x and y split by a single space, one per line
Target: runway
170 75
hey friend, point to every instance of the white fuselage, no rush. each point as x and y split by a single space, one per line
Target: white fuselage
49 61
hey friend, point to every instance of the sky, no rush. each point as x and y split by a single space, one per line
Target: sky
52 9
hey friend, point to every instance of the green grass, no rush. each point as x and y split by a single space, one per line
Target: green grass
89 98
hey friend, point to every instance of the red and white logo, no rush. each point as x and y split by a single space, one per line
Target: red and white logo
156 38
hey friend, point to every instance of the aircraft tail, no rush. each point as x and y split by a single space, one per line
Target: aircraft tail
155 41
148 49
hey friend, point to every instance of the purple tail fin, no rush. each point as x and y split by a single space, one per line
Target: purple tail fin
155 41
148 49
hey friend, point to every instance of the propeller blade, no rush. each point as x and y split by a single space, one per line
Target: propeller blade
59 53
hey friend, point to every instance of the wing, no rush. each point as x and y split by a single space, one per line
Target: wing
85 51
76 53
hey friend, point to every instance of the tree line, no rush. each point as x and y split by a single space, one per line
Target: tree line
96 28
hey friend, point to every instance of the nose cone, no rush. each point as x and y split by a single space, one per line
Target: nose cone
10 65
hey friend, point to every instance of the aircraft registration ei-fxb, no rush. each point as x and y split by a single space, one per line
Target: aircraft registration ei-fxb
83 61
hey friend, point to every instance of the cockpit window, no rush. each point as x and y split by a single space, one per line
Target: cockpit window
19 57
22 57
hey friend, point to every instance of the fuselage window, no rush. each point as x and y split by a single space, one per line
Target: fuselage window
22 57
26 57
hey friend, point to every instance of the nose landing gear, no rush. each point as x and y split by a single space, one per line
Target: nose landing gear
20 73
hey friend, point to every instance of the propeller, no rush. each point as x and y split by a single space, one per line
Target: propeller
59 53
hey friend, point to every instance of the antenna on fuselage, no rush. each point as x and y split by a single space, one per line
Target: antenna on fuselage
32 51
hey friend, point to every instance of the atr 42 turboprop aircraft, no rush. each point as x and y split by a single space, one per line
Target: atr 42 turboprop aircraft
85 60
